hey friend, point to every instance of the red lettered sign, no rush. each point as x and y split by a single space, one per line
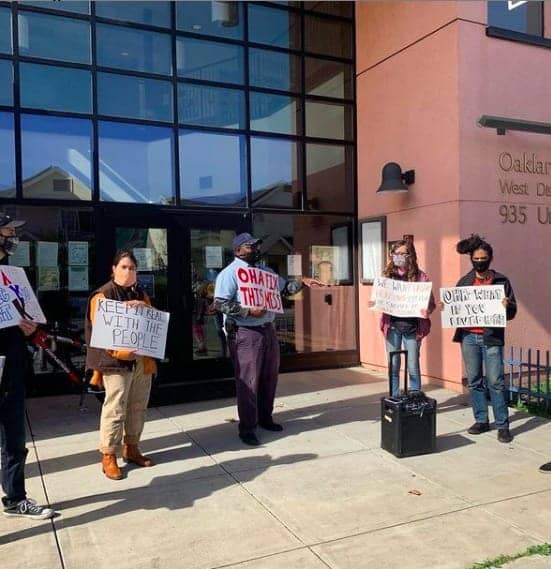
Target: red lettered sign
258 289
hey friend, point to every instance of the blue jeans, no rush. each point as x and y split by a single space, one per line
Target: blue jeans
394 341
477 356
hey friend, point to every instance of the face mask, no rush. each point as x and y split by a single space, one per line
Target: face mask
9 244
252 257
399 260
481 266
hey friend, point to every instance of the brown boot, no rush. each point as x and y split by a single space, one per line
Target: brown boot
131 453
110 467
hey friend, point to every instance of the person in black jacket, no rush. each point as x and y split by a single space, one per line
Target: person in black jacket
12 400
483 347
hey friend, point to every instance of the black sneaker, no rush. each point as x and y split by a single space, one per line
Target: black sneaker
271 426
478 428
249 439
504 435
546 468
28 508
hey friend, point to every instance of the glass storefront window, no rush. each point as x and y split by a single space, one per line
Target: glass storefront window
314 320
137 50
209 61
80 6
5 31
274 70
524 17
211 106
274 173
7 156
330 37
134 97
330 177
56 157
212 168
55 88
274 27
136 163
329 120
6 82
342 8
151 13
213 18
328 78
54 37
274 113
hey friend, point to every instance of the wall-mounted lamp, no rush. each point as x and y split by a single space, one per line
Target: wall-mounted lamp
503 124
394 182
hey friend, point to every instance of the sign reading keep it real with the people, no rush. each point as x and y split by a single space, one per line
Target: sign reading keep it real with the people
120 326
258 289
473 307
405 299
17 299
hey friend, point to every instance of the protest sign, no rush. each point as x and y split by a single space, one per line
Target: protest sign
400 298
258 289
120 326
17 299
473 306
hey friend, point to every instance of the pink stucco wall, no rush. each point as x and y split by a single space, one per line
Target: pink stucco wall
426 72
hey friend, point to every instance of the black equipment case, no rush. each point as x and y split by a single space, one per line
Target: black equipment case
408 421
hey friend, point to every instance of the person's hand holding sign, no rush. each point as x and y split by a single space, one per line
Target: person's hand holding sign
257 312
312 283
28 327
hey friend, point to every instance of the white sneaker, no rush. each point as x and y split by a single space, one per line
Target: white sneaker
28 508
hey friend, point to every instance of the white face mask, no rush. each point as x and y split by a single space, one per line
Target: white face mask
399 259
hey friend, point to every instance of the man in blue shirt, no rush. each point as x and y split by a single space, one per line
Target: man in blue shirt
252 341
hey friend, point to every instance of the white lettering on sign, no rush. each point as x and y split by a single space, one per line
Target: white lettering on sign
473 307
259 289
400 298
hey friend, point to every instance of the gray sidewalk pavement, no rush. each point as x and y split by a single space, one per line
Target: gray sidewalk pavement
320 494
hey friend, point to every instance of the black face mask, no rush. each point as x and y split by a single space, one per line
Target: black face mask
9 244
481 266
252 258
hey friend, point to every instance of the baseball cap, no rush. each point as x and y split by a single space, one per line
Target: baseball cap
244 239
7 221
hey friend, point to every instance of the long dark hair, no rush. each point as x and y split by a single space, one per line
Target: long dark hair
391 271
469 245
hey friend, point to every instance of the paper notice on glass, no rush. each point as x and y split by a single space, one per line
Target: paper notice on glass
294 265
147 284
77 253
47 254
473 307
145 258
214 257
78 278
17 298
119 326
22 255
48 278
400 298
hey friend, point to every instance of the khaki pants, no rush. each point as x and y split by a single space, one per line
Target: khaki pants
123 412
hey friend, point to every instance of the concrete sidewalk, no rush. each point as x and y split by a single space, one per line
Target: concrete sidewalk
321 494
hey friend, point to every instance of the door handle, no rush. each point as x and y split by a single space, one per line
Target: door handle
328 299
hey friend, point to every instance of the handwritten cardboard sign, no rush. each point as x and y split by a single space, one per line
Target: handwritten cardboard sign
259 289
473 307
119 326
17 298
400 298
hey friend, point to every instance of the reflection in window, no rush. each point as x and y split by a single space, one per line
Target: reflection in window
80 6
55 88
211 106
214 18
274 70
329 120
137 50
212 168
134 97
56 156
274 27
151 13
6 82
210 61
524 17
274 173
148 177
274 113
7 157
330 37
328 78
330 177
5 30
54 37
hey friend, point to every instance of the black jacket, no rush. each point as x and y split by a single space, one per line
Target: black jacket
492 336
